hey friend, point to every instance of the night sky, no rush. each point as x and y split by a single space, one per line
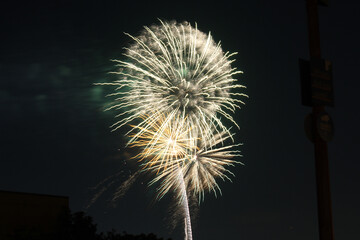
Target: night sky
55 136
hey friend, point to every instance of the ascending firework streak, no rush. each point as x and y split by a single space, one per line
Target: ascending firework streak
174 88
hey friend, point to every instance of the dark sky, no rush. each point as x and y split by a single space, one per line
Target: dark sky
55 137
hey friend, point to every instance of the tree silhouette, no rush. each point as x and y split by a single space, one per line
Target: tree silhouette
81 227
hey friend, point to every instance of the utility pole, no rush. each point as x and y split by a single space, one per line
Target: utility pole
317 92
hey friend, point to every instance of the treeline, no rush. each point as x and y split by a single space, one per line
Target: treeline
82 227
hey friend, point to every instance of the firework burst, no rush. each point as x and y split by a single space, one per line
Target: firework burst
206 163
175 88
163 143
174 67
172 153
182 162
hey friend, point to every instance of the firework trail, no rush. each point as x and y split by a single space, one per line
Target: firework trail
124 187
175 89
101 187
185 203
105 184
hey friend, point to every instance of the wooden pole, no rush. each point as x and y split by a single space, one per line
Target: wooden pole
320 146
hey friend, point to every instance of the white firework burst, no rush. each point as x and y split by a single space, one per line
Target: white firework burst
175 68
209 161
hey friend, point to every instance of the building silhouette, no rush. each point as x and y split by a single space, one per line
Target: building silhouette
32 216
